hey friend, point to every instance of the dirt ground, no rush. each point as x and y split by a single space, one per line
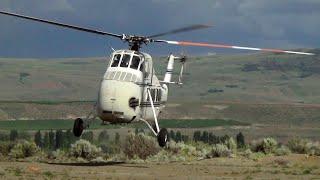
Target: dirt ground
285 167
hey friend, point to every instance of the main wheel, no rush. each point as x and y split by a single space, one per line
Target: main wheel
163 137
78 127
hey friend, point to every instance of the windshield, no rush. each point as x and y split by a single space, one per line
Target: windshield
125 60
116 60
135 62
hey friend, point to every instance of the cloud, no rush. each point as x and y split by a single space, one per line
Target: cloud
263 23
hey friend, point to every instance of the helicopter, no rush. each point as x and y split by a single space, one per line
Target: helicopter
129 90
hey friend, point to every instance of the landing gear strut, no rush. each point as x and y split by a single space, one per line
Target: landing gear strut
162 135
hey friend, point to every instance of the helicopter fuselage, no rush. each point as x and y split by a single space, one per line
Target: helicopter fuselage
123 94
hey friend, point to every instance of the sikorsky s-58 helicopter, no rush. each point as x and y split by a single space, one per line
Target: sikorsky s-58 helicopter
130 91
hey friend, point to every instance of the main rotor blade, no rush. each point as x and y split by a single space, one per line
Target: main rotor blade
185 43
184 29
61 24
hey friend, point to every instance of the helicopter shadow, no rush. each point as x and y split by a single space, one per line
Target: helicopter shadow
88 164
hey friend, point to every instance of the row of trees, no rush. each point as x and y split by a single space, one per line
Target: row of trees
59 139
206 137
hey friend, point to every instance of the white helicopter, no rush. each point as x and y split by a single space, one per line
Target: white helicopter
130 91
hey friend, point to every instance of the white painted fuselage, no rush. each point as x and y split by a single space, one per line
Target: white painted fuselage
123 96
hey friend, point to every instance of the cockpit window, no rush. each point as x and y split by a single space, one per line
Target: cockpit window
116 60
141 67
125 60
135 62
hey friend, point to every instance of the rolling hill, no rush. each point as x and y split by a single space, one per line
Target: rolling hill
249 87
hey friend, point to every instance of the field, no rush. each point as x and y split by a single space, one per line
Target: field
287 167
23 125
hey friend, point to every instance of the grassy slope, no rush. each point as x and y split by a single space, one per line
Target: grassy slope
277 80
248 96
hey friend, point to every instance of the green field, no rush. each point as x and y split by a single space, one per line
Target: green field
68 124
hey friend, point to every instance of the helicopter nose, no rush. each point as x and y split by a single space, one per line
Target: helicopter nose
118 101
107 96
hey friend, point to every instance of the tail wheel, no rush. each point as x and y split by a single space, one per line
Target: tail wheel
78 127
163 137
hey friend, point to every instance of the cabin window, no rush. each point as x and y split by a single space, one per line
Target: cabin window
135 62
158 94
125 60
116 60
155 94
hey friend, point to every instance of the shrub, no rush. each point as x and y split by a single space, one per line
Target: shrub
247 153
314 148
57 154
256 146
298 145
282 151
140 146
267 145
219 150
84 149
231 144
181 148
257 156
24 149
5 148
166 156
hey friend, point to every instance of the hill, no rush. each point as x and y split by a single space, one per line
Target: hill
253 88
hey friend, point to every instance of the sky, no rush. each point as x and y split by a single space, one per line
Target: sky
285 24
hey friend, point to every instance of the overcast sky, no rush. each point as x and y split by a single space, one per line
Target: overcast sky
263 23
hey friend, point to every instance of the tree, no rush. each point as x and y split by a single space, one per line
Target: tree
205 137
38 139
103 136
185 138
172 135
51 140
88 136
46 141
224 139
178 136
69 138
59 139
240 140
211 138
117 138
13 135
197 136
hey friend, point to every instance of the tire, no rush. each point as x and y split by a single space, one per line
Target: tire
163 137
78 127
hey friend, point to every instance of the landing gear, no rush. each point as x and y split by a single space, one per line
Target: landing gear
163 137
78 127
80 124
